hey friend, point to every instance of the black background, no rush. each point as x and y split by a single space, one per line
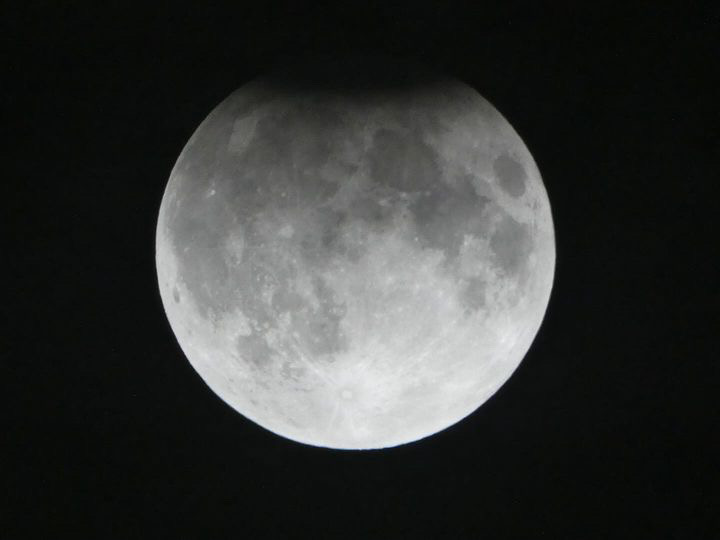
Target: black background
606 430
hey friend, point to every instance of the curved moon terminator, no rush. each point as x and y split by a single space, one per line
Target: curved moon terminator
355 265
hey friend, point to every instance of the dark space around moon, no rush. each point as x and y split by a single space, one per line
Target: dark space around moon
605 429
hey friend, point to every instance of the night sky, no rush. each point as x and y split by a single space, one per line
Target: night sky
608 427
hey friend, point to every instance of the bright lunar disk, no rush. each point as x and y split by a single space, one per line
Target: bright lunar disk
355 267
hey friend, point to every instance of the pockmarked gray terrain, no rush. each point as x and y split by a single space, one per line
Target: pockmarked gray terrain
355 270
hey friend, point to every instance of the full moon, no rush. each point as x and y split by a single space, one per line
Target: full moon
355 265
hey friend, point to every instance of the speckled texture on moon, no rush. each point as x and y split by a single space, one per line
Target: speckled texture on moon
355 271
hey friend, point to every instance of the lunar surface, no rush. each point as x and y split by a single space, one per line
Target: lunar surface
356 268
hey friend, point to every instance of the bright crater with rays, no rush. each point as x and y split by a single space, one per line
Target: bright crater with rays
355 269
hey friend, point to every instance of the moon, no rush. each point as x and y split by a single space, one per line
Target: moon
355 266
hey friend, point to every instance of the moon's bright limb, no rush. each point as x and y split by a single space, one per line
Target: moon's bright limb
355 269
